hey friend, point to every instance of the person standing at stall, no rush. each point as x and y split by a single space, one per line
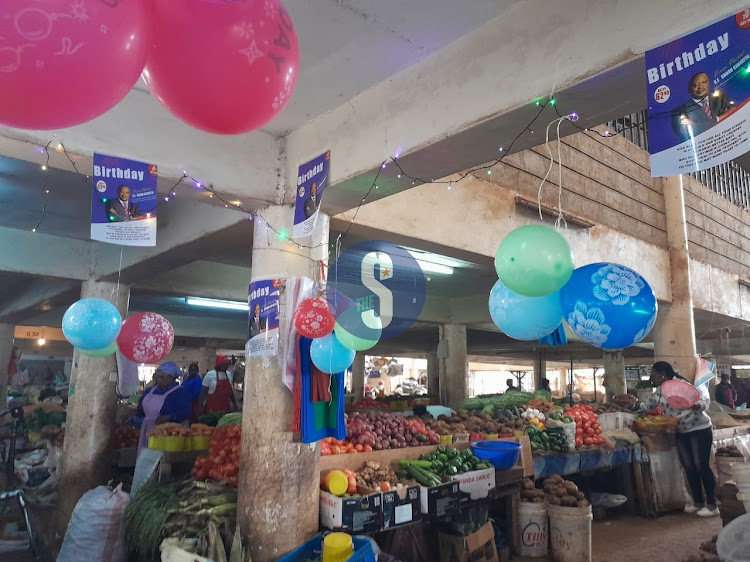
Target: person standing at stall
193 385
218 393
694 441
725 393
164 402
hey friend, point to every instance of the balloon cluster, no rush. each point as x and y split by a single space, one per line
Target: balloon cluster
225 67
607 305
96 329
334 341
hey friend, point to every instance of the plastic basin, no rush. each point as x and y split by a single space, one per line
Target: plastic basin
680 394
503 455
733 543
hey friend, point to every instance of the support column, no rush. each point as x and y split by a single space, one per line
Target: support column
674 331
358 375
540 369
92 405
433 375
614 374
7 332
454 368
207 359
279 479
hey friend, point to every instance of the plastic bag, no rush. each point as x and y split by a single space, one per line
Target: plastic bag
96 530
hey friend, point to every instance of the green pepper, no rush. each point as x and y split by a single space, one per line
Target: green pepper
451 470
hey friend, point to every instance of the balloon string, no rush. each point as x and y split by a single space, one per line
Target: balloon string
117 288
560 217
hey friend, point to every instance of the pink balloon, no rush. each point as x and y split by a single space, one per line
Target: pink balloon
65 62
145 337
223 67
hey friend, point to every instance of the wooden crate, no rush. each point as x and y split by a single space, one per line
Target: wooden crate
392 456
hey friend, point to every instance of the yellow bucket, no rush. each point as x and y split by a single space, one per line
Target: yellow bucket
336 482
337 547
490 436
446 439
174 444
200 442
156 443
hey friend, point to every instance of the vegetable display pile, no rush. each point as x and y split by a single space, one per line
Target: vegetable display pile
550 439
223 460
145 517
377 477
125 437
169 430
489 404
588 430
230 419
39 418
201 430
447 461
559 491
730 451
505 423
530 494
377 431
365 403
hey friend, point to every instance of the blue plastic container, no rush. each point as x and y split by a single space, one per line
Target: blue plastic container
502 454
314 547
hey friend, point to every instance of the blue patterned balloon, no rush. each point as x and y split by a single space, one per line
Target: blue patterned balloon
91 324
609 306
521 317
330 356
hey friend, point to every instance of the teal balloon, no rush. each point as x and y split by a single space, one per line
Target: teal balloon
358 330
103 352
91 324
524 318
534 261
330 356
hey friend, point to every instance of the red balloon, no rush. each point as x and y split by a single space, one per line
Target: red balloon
65 62
223 67
146 337
313 318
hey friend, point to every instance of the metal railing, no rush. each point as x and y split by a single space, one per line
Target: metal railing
728 180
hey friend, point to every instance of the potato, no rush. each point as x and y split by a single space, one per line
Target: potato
527 484
568 501
537 500
582 503
579 496
553 500
570 487
527 495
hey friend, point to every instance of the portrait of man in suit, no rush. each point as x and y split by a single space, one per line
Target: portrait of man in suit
257 324
701 111
313 202
122 209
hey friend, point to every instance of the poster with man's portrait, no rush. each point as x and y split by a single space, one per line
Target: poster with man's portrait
312 178
123 201
698 89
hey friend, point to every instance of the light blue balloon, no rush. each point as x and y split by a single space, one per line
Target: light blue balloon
524 318
330 356
91 324
609 306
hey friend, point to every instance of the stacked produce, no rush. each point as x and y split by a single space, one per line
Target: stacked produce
376 477
201 430
730 451
505 423
170 430
490 404
443 461
588 430
530 494
550 439
125 437
609 408
223 460
559 491
386 431
230 419
655 422
41 419
191 510
366 403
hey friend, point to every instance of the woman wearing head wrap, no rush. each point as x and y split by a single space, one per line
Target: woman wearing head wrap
164 402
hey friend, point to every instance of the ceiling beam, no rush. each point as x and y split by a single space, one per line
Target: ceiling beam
201 279
455 108
35 253
39 296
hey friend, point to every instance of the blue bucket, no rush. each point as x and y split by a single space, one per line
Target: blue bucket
503 455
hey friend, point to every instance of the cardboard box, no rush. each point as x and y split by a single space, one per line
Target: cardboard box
401 506
352 515
476 484
441 500
477 547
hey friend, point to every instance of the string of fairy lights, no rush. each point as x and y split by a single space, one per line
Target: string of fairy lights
402 174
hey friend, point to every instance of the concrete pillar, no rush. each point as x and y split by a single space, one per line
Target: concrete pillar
454 368
7 332
614 374
207 359
92 405
433 375
279 479
540 369
358 375
674 331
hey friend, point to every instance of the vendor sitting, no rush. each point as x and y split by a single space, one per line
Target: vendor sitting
164 402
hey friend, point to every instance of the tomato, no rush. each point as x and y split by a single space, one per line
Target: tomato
335 450
588 441
352 451
359 448
579 442
368 448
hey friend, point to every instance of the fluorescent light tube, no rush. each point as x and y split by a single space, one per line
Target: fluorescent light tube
428 267
215 303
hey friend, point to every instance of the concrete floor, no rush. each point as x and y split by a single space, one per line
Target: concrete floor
671 538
